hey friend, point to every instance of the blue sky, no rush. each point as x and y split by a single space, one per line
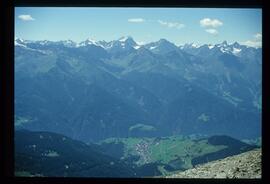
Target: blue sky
178 25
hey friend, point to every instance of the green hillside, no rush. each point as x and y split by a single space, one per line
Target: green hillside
172 153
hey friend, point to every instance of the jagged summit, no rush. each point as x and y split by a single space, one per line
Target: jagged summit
163 40
125 38
236 44
224 43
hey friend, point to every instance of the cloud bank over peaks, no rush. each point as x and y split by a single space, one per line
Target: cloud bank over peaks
255 42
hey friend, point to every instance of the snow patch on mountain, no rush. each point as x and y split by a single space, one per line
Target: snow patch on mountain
211 46
195 45
123 39
16 43
236 51
137 47
22 43
90 41
153 47
225 49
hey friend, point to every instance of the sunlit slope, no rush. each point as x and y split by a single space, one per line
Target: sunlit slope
245 165
175 152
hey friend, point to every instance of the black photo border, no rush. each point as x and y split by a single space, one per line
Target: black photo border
7 84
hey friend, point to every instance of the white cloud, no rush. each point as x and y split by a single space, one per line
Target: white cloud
136 20
162 22
207 22
176 25
255 42
212 31
26 17
252 43
258 36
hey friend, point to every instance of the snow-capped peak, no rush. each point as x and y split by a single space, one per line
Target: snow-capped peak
23 43
210 46
68 43
191 45
124 42
91 41
127 40
195 45
224 43
44 42
236 45
19 42
234 48
123 39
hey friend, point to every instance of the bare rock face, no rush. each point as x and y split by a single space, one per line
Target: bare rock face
245 165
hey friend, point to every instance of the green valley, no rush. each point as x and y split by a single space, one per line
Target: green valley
171 153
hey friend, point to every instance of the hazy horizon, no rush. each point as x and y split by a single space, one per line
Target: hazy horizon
178 25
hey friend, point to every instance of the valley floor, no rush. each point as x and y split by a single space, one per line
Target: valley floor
245 165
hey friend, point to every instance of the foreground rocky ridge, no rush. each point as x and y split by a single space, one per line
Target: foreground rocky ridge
245 165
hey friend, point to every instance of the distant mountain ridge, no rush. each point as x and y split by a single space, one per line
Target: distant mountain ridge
95 89
125 39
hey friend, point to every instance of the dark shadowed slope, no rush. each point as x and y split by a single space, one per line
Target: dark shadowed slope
50 154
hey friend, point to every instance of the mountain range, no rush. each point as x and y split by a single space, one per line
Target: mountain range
94 90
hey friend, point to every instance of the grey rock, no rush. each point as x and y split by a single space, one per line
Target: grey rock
245 165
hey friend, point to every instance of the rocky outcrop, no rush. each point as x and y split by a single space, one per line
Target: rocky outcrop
245 165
